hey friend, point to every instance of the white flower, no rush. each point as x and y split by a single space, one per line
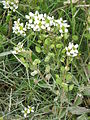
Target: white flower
47 24
62 24
30 109
31 14
18 48
43 27
19 28
66 30
30 21
40 16
80 95
27 16
72 50
48 28
45 15
37 13
25 112
36 21
10 4
70 45
61 31
76 46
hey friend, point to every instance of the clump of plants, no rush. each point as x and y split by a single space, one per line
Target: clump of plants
46 61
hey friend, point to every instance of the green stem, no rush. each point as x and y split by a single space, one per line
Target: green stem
28 77
73 18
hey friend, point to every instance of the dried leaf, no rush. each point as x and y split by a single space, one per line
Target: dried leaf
68 1
78 110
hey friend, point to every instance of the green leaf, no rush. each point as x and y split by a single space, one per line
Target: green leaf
57 76
47 69
71 87
89 66
23 61
78 101
43 85
51 54
59 46
47 58
68 77
1 118
26 54
52 46
8 18
36 61
87 35
87 91
39 41
75 37
66 36
65 86
63 112
59 81
4 28
62 69
38 49
47 41
58 38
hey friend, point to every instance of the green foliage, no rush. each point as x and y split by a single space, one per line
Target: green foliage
60 88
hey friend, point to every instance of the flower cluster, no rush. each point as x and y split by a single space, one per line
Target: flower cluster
44 22
62 25
19 28
72 50
18 48
10 4
40 22
28 110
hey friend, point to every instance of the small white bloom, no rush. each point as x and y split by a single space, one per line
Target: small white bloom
10 4
30 21
45 15
66 30
27 16
19 28
70 45
31 14
40 16
25 112
76 46
36 13
48 28
32 25
72 50
30 109
18 48
43 27
68 53
61 31
47 24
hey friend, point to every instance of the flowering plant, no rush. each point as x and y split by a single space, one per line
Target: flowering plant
44 60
